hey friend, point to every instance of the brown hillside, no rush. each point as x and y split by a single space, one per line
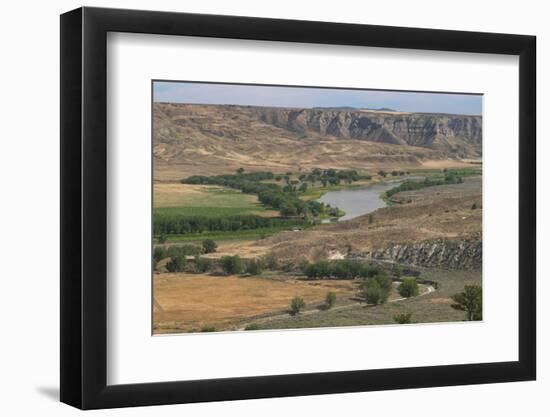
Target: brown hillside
194 139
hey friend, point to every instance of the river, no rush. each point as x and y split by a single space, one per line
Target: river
358 201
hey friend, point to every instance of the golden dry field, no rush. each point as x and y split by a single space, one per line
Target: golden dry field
187 302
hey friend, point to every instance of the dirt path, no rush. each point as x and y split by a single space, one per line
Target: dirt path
316 310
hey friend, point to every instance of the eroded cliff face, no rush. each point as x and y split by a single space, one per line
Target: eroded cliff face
439 253
458 135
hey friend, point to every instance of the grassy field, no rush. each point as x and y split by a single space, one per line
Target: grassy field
430 308
205 200
189 302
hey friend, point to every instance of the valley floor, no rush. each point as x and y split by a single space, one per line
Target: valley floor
194 302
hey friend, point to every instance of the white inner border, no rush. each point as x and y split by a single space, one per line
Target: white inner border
134 356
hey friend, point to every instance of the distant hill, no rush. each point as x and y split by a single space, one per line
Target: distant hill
196 137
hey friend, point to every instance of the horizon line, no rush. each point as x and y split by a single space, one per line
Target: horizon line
352 108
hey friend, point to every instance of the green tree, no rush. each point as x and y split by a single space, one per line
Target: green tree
372 292
232 264
330 299
403 318
377 288
296 305
209 246
240 171
408 288
470 301
162 238
303 187
176 264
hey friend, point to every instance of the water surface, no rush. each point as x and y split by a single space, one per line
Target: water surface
358 201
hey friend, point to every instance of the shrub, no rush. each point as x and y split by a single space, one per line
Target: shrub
203 264
470 301
408 288
232 264
330 299
252 326
176 264
206 329
162 238
403 318
296 305
398 271
209 246
254 267
183 250
271 262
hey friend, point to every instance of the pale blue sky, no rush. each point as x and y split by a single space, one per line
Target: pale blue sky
258 95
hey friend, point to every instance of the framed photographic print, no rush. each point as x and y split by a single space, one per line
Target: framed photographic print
257 208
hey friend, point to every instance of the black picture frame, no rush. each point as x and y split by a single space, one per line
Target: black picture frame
84 207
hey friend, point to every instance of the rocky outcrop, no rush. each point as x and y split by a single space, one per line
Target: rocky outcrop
439 253
454 136
458 135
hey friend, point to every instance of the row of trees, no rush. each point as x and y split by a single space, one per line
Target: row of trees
449 178
162 252
229 265
332 176
174 224
340 269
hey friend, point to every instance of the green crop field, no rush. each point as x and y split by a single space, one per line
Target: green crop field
204 211
204 200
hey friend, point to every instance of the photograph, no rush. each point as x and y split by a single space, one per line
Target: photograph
290 207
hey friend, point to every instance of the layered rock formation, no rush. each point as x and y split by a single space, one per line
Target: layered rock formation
438 253
458 135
